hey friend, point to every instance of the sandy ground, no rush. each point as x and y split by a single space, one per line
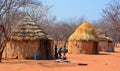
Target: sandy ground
105 61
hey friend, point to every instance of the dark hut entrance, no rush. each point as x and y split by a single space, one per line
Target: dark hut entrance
44 49
95 47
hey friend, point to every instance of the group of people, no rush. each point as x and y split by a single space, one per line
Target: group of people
59 51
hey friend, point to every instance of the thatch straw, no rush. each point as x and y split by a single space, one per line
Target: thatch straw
84 32
28 30
105 37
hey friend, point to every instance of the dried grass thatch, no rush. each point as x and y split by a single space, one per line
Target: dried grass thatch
105 37
28 30
84 32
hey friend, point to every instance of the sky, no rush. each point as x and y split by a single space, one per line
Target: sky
65 9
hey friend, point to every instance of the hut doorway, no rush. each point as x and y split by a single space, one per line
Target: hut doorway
44 49
47 52
95 47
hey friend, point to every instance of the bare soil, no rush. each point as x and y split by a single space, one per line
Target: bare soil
105 61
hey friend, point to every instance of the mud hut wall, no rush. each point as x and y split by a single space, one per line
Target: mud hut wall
70 46
51 48
74 47
103 46
21 49
111 46
80 47
88 47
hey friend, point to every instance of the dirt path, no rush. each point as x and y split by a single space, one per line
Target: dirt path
78 62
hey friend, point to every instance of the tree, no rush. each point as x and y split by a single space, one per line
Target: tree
38 13
11 11
2 41
111 14
61 30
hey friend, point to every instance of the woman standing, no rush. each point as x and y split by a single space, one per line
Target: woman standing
56 53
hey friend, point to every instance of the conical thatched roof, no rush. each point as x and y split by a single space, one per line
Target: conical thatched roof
27 29
104 36
84 32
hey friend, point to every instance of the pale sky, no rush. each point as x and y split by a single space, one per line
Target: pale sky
65 9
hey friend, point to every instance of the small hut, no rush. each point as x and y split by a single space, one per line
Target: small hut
83 40
27 39
106 43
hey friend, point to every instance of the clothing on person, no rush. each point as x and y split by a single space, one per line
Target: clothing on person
59 52
64 52
56 53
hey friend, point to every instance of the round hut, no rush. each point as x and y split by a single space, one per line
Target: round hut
27 39
106 43
83 40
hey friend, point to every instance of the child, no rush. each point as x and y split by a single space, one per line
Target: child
59 52
64 52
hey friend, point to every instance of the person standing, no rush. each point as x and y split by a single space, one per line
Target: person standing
60 52
64 52
56 53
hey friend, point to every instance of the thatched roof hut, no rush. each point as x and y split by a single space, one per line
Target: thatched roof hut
83 40
106 43
26 39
